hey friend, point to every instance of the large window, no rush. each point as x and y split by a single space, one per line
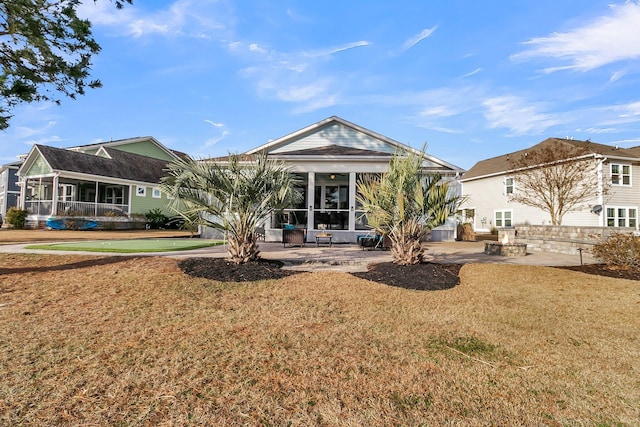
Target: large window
503 218
620 174
622 217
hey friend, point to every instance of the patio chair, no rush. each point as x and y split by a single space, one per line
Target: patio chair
259 234
293 236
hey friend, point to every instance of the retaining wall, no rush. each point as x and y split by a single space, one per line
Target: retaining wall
564 239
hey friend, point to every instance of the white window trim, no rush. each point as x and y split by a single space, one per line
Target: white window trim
141 191
503 212
513 185
616 218
620 174
156 193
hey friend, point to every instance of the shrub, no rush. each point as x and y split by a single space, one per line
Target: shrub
17 217
465 232
156 218
619 249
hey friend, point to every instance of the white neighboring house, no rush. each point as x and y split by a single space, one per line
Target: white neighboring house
329 157
489 182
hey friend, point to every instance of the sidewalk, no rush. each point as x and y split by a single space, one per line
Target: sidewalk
350 257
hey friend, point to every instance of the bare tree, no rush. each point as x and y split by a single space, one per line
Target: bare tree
558 178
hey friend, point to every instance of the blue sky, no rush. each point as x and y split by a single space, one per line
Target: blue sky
472 79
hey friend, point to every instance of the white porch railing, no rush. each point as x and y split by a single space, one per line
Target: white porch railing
92 209
44 207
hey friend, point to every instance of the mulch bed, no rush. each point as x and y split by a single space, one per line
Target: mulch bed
608 271
424 277
225 271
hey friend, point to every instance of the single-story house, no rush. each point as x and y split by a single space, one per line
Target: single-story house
330 157
490 184
115 182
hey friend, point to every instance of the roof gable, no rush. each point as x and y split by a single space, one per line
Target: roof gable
145 146
335 136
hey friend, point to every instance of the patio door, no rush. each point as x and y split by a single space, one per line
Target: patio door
114 194
331 202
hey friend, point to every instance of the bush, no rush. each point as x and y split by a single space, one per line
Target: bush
17 217
156 218
465 232
619 249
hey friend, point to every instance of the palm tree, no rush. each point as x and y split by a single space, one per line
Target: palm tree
234 197
404 204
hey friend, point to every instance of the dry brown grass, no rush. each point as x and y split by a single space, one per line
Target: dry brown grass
13 236
134 341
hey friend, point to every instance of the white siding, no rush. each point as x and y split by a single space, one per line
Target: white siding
336 134
488 195
343 136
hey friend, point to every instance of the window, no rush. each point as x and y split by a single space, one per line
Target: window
141 191
503 219
620 174
508 186
156 194
622 217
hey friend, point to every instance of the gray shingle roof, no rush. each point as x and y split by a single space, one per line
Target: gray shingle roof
496 165
122 165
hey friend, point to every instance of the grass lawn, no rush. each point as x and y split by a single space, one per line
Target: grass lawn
130 245
98 340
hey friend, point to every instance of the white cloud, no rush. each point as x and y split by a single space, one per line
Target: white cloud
184 17
605 40
333 50
517 115
617 76
295 77
472 73
214 124
213 141
27 132
303 93
439 111
418 38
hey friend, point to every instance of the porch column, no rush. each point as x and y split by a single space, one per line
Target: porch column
311 185
352 201
23 192
54 195
95 200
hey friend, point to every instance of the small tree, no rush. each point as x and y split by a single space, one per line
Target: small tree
404 204
556 178
234 197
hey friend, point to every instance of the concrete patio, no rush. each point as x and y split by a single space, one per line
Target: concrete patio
351 258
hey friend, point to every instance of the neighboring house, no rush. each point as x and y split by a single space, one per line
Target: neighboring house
9 190
489 183
330 157
116 181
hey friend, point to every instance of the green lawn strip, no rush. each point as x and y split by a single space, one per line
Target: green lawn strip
130 246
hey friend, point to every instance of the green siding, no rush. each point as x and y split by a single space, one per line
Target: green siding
142 205
145 148
39 167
